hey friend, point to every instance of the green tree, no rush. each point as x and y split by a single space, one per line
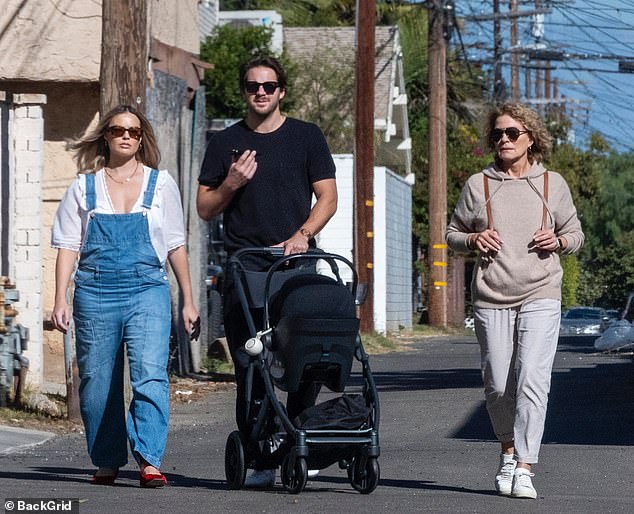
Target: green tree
326 87
570 265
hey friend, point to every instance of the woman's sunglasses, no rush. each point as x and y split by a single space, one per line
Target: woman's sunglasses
117 131
511 132
253 87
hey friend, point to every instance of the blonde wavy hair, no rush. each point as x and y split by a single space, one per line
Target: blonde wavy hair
92 152
542 142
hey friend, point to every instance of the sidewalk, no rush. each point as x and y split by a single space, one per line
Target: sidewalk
14 439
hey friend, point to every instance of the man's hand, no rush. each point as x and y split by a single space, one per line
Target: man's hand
241 170
297 243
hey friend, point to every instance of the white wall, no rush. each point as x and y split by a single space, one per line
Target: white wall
271 19
392 241
398 247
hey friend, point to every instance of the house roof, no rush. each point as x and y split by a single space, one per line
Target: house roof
390 103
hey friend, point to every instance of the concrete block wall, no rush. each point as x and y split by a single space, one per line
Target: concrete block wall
25 264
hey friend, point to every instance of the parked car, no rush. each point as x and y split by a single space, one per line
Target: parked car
628 312
613 315
584 321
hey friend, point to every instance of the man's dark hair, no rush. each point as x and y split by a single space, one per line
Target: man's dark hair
266 62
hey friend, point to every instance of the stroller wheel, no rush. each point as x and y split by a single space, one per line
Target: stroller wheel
294 479
364 480
235 462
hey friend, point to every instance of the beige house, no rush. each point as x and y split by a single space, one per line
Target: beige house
49 91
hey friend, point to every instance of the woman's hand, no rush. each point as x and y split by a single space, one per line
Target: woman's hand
191 319
61 316
485 241
546 240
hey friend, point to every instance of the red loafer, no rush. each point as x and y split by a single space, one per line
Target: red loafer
153 480
104 479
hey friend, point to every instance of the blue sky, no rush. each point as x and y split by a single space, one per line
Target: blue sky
594 35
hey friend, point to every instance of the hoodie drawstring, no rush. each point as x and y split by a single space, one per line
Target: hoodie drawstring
544 199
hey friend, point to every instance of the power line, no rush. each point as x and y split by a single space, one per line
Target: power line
587 34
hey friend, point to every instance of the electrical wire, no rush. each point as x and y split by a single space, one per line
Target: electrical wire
594 35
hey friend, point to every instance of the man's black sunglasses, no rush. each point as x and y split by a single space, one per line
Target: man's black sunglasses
511 132
253 87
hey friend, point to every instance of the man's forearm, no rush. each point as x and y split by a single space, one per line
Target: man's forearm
211 202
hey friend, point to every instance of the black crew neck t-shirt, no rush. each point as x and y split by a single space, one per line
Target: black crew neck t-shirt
275 203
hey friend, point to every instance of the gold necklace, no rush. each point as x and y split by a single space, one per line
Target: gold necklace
124 180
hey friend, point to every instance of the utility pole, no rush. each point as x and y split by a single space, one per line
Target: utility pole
515 56
124 53
437 55
538 79
364 157
498 86
123 73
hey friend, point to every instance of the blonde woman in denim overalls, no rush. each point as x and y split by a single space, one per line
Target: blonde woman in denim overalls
123 219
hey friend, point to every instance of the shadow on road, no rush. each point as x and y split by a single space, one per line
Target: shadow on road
428 379
589 405
81 475
397 483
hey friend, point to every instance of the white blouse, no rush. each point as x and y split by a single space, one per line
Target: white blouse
165 218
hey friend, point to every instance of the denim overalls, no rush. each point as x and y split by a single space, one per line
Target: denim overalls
122 296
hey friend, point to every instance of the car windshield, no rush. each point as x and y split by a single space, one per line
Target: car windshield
583 314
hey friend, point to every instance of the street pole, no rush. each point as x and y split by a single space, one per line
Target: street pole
515 56
437 55
498 89
123 73
364 157
124 53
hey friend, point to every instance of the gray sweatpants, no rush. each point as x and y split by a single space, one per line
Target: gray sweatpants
518 348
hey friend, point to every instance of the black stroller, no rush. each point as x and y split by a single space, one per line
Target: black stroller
310 334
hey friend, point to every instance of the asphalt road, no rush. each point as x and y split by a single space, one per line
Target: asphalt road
438 451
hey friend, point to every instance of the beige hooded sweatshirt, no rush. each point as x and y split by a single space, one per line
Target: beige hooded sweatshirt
518 272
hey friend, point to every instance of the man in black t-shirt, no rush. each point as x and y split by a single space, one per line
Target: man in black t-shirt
261 173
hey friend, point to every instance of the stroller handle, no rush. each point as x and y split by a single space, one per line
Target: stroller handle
235 263
274 251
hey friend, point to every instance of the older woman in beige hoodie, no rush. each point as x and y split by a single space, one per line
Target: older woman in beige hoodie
520 218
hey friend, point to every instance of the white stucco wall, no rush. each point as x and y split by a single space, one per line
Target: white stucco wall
175 23
44 40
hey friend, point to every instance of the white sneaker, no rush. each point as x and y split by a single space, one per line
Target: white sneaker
312 473
261 479
504 476
522 484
